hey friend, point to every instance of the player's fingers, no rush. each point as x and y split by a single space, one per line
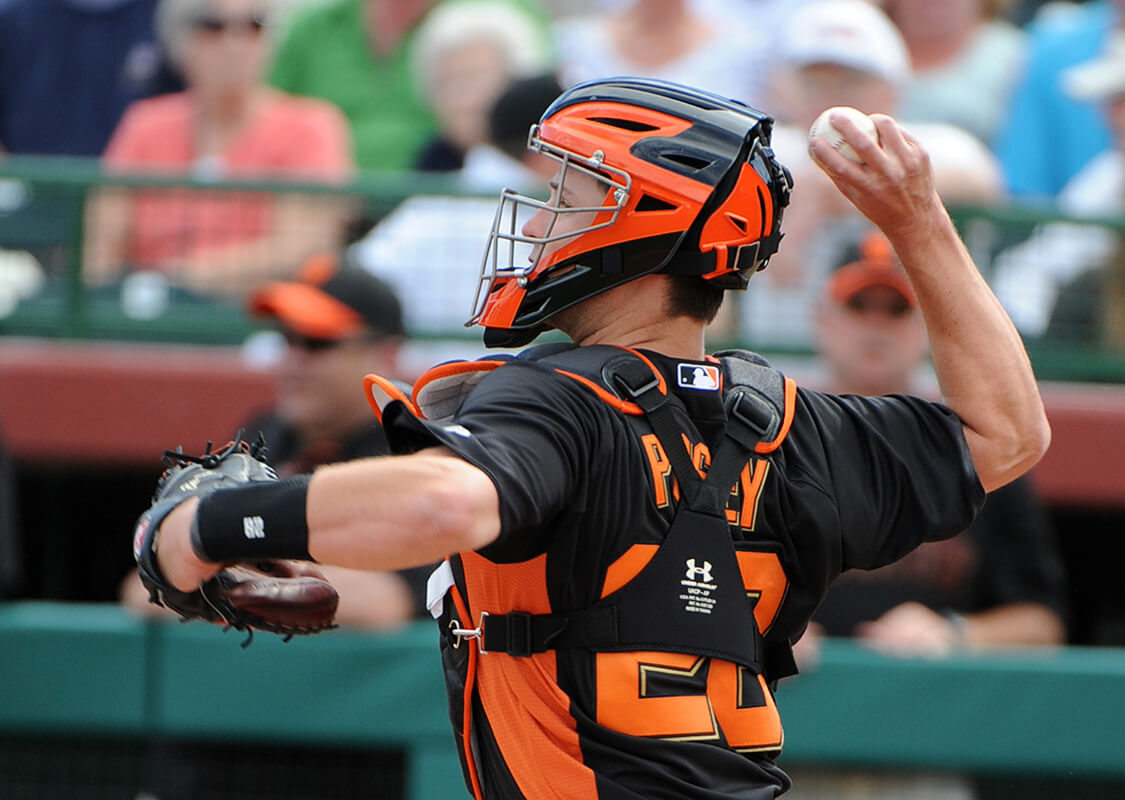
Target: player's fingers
834 164
865 143
899 144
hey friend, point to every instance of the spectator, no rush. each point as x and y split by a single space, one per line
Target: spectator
965 60
464 55
839 52
430 247
1090 310
227 125
1047 136
69 68
503 160
339 323
1028 276
1001 583
667 39
355 54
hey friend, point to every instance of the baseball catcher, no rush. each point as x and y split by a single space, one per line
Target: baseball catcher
635 532
282 596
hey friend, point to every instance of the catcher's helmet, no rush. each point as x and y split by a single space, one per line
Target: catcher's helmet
692 188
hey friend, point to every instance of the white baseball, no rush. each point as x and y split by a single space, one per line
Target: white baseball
826 130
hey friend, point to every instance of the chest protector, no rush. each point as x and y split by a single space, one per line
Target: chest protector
690 597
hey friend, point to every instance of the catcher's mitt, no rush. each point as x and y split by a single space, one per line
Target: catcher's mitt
280 596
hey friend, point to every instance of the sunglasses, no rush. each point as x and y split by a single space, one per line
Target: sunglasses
863 303
312 344
214 24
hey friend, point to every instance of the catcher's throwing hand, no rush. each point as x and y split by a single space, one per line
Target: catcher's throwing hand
286 597
894 186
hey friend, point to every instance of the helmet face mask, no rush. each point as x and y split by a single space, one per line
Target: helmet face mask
686 183
510 242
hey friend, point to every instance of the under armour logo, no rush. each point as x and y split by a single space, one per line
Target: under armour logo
700 574
254 527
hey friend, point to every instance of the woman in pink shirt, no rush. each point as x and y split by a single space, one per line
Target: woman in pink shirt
228 125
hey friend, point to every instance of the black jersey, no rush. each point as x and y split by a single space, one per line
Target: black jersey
586 497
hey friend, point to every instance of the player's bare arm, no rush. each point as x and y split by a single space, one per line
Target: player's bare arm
378 513
981 365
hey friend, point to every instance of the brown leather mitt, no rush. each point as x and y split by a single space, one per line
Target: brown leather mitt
280 596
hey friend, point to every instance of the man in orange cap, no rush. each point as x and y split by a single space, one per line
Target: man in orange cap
1003 581
339 322
869 330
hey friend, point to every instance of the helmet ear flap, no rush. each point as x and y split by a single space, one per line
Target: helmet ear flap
743 218
740 225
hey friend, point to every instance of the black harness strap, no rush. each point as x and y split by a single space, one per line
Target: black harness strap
636 379
519 633
695 569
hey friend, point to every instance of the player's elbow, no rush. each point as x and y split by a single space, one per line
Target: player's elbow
1034 440
1010 453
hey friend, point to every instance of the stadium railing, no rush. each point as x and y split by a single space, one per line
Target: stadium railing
45 211
58 329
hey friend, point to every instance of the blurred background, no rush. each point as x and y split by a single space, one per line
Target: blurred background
166 165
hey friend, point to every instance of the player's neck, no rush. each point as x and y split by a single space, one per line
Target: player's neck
634 315
679 337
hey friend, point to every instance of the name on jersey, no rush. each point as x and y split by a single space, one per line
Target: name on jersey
742 505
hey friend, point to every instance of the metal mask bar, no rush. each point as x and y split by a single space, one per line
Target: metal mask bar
506 228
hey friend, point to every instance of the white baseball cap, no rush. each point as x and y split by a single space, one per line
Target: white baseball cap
1101 77
851 33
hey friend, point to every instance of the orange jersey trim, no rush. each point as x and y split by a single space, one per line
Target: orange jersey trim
466 731
373 383
628 566
527 711
786 421
624 406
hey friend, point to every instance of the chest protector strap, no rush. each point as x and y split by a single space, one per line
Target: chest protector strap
690 597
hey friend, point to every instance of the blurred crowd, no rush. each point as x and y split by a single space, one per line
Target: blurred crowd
1017 101
273 113
237 141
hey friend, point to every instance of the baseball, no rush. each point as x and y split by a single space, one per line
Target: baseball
826 130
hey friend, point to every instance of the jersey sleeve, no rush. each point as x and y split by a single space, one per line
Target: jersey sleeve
897 468
531 432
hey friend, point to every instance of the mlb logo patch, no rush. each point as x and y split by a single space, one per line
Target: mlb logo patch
698 376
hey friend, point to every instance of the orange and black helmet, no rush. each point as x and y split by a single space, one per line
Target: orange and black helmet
692 188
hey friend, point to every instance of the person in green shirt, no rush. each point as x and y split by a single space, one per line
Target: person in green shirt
356 55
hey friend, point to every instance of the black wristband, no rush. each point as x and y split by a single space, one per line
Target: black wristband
257 520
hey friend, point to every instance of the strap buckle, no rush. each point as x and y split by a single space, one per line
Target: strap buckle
516 634
639 391
507 633
460 634
634 380
750 410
